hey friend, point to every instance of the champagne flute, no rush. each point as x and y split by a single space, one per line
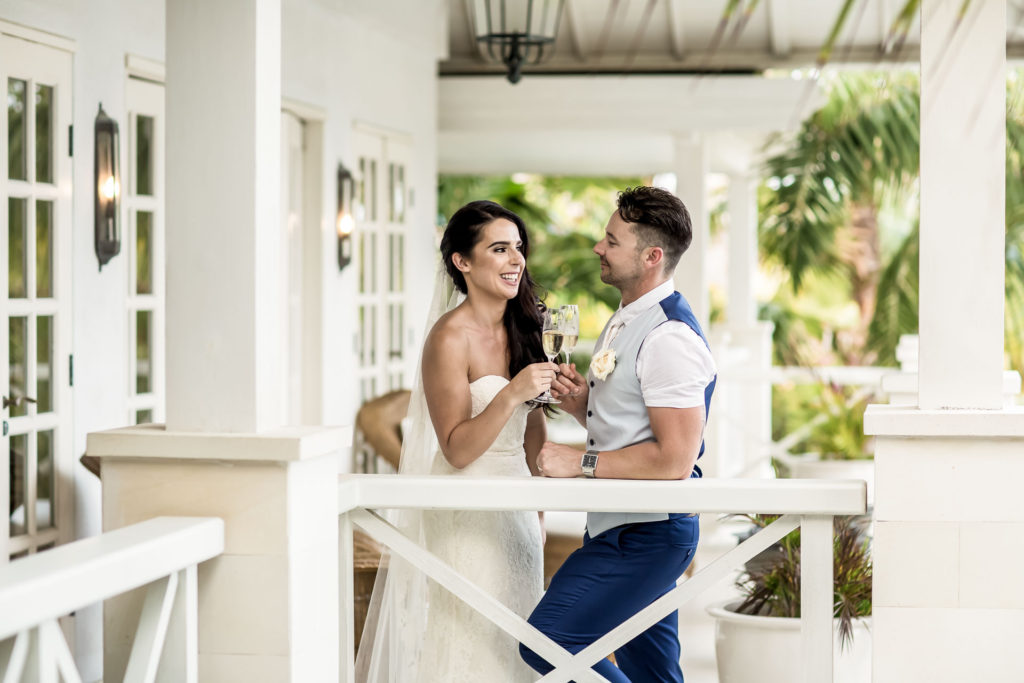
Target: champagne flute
571 329
552 337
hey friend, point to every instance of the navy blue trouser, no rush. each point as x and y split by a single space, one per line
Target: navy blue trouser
611 578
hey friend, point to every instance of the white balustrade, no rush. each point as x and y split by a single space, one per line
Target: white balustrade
805 503
162 552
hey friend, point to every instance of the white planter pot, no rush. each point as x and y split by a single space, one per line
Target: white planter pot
753 649
811 466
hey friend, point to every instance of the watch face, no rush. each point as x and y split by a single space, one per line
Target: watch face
589 461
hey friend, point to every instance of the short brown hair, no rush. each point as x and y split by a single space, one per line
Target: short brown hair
659 219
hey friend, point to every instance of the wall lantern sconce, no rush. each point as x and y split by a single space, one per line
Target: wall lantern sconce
108 189
517 32
344 222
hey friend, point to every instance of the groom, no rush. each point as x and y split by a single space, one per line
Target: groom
644 404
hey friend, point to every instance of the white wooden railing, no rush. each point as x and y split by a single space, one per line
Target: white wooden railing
809 504
162 552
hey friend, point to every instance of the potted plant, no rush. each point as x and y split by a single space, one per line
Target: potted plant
835 446
757 637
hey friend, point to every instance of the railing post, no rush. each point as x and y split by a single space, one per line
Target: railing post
346 595
816 598
180 661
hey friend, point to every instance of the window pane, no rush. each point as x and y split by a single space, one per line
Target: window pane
144 155
398 197
359 209
363 274
143 417
44 249
18 347
44 134
45 498
19 450
372 268
17 248
143 252
373 189
44 364
391 262
400 266
143 348
17 134
392 187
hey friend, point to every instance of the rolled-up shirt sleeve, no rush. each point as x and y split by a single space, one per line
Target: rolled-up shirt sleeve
674 367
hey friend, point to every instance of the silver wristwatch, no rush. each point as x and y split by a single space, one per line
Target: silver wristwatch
589 463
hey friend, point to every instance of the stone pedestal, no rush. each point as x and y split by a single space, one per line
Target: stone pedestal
948 544
268 607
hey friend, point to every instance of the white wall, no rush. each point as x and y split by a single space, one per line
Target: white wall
367 61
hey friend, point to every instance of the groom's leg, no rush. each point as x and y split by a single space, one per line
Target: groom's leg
607 581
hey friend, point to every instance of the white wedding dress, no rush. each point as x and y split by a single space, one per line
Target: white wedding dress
499 551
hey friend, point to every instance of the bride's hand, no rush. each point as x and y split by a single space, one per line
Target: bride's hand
532 381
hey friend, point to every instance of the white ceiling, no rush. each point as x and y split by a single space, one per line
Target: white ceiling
675 36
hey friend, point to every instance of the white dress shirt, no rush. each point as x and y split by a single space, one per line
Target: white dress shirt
674 364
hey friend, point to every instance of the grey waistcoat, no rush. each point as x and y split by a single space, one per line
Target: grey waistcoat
616 414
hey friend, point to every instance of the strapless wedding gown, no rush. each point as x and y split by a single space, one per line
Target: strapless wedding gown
499 551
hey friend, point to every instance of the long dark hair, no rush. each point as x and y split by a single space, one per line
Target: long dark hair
522 317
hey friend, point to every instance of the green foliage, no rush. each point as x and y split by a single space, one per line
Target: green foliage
861 150
565 217
771 582
837 415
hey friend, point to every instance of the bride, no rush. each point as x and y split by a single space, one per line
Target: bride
482 361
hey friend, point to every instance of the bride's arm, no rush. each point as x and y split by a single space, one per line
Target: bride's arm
463 438
536 435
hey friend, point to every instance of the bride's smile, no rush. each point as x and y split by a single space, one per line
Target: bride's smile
497 261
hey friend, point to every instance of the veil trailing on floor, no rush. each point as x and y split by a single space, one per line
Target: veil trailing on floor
396 621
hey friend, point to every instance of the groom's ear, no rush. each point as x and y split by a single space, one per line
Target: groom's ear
655 257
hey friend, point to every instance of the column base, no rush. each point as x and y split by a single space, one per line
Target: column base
268 604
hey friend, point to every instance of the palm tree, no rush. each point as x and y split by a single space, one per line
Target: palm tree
853 158
850 159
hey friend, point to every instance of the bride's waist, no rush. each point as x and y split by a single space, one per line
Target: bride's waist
500 462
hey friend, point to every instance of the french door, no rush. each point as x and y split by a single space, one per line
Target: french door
35 297
382 216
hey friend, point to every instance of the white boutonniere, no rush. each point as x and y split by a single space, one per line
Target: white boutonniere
603 363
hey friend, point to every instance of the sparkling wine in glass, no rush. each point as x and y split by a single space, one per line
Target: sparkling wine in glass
552 337
570 329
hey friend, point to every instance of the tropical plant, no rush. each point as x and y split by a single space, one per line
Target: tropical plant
770 583
841 200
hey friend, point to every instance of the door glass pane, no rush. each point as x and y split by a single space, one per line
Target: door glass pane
398 194
44 134
391 262
361 238
373 189
17 247
143 252
19 451
143 352
44 364
372 269
45 498
359 209
392 187
400 266
143 417
144 155
17 133
18 347
44 249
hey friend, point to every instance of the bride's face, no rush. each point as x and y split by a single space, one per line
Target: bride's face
496 263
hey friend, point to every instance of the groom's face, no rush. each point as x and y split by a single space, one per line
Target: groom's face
621 262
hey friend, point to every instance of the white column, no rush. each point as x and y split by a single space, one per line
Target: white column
691 169
223 164
963 232
947 605
742 306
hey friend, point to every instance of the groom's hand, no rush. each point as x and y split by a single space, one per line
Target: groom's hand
559 460
570 387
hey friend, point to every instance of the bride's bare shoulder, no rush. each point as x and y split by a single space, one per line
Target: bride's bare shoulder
448 335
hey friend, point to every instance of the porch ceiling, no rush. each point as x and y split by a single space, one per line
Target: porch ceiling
611 125
675 36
